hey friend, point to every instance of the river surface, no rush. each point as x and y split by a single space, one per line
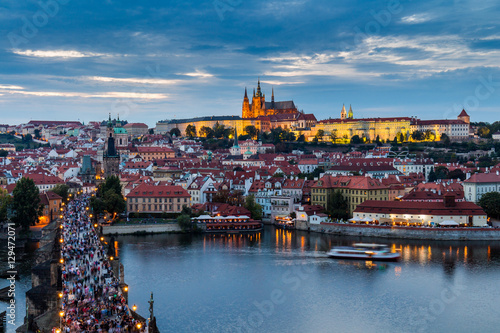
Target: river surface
282 281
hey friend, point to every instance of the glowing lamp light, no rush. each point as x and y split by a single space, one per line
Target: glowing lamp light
61 314
95 225
125 289
111 258
61 261
134 307
60 295
61 240
139 325
102 238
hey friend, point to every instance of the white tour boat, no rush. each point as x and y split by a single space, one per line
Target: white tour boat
361 251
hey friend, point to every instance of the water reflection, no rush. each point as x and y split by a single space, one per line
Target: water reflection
222 276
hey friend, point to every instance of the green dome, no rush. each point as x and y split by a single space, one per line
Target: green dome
120 130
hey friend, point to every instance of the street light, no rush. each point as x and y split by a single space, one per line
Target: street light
60 295
61 261
139 325
134 307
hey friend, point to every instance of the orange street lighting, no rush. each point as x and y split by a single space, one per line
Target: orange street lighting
60 295
134 307
125 288
102 238
61 314
61 240
61 261
95 225
139 325
111 258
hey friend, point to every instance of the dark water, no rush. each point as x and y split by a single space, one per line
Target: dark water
281 281
24 262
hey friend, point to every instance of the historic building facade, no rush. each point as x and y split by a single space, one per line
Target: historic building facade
259 106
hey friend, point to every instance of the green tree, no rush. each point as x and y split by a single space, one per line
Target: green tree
221 132
190 131
319 135
490 202
206 132
62 190
445 139
114 203
483 132
109 198
254 208
337 206
184 222
441 172
432 176
456 174
333 136
3 153
401 137
176 132
26 203
417 135
251 131
356 140
5 201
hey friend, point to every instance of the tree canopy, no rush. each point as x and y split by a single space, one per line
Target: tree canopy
337 206
26 203
5 201
490 202
191 131
109 198
254 208
62 190
176 132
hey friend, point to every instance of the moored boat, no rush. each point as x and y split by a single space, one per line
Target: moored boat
362 251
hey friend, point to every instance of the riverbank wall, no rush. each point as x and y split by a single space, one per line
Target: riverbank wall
443 234
140 229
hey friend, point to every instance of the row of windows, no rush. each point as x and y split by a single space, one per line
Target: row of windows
157 208
159 200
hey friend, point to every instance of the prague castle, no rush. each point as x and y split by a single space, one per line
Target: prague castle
260 107
265 116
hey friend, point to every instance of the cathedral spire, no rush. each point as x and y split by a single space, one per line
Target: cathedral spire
272 100
350 115
235 138
246 96
259 92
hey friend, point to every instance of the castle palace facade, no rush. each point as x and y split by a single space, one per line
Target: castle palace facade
259 106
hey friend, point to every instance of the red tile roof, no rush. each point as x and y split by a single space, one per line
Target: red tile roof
158 191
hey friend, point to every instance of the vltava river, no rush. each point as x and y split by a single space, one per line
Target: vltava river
282 281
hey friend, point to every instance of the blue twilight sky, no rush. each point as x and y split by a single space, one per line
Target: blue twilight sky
159 59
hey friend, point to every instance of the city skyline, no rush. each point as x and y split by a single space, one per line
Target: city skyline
68 60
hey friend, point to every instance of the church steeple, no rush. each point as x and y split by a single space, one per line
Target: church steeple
236 145
350 115
272 100
246 96
259 92
343 112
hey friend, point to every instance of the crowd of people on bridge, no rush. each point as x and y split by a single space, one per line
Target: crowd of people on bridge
91 297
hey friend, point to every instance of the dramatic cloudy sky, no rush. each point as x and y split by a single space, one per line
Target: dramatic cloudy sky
160 59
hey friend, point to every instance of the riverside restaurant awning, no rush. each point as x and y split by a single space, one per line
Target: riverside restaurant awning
355 219
450 223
